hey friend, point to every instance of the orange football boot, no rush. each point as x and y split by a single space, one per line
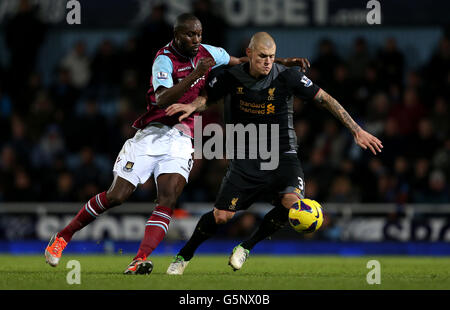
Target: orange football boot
139 266
54 250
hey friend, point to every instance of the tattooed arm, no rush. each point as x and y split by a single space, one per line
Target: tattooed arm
362 138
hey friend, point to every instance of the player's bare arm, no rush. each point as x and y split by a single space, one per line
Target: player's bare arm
362 138
167 96
303 63
198 105
236 61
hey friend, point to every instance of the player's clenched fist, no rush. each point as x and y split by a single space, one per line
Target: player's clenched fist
203 66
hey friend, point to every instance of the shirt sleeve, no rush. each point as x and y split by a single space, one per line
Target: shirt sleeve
221 57
301 85
162 72
217 85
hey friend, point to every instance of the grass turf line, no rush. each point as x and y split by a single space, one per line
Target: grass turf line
212 273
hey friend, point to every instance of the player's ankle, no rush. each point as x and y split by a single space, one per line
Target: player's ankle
186 257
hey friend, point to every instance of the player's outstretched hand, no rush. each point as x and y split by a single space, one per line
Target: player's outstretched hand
303 63
203 65
184 109
366 140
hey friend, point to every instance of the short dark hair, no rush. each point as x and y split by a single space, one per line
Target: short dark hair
182 19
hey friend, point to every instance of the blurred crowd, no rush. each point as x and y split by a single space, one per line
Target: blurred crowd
58 142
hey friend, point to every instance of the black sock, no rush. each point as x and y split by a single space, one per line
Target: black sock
273 221
205 229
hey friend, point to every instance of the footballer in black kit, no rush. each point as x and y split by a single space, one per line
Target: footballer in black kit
260 93
268 100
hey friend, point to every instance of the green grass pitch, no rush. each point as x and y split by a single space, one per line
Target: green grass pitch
213 273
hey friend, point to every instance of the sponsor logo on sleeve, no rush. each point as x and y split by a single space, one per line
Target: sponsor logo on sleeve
306 81
162 75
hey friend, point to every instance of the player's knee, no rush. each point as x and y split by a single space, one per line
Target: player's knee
167 201
170 187
116 198
222 217
288 200
119 191
167 197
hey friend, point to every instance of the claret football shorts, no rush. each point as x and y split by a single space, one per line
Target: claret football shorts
156 149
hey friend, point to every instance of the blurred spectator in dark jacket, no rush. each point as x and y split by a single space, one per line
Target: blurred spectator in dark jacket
51 144
8 167
332 142
89 128
152 35
5 113
88 175
420 180
359 59
62 92
414 80
5 104
33 87
40 116
367 86
343 90
213 24
342 191
440 117
438 191
22 189
394 143
409 112
401 173
372 172
377 112
24 34
424 143
326 62
65 188
305 138
105 68
386 192
19 140
438 68
129 56
391 63
132 92
312 190
318 167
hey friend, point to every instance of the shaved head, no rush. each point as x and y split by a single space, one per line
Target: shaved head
261 54
261 39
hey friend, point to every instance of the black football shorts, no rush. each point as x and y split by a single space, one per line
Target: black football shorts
244 183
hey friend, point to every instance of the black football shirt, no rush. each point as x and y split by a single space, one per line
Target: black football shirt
268 100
